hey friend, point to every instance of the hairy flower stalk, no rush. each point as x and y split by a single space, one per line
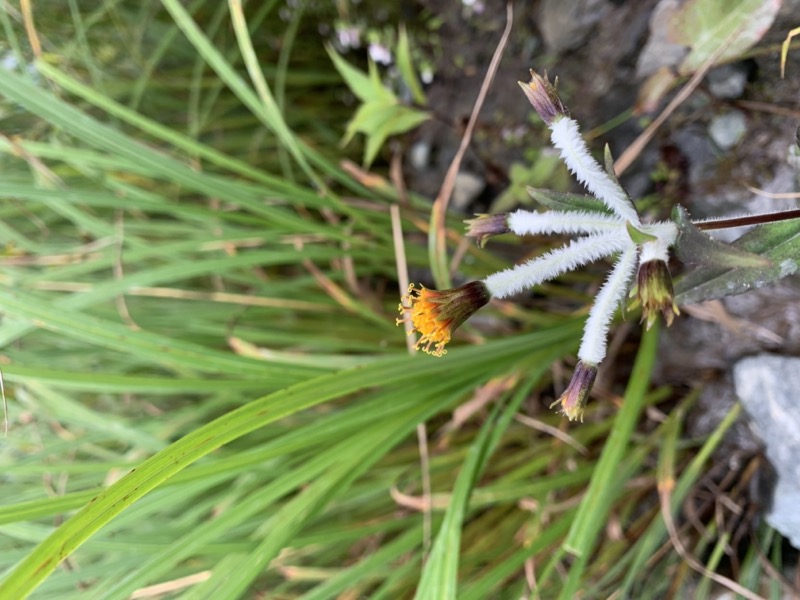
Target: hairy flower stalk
621 234
595 332
524 222
566 137
556 262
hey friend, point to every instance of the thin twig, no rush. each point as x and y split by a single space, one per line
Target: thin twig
5 405
554 431
785 48
30 28
427 499
443 199
633 151
772 195
529 568
776 575
402 269
439 501
422 432
160 589
330 287
766 107
666 512
396 176
119 273
166 292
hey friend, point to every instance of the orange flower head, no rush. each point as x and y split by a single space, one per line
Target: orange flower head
436 314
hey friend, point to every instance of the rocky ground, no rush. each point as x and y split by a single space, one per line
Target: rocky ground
737 129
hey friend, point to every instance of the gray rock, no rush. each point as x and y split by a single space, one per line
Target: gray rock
566 25
769 389
728 81
694 144
727 129
660 50
468 186
793 156
419 156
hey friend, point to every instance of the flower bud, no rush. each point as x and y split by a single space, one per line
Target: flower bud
436 314
654 283
574 398
482 227
544 97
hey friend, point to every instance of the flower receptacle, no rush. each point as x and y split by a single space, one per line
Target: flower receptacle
436 314
543 96
654 284
483 226
574 398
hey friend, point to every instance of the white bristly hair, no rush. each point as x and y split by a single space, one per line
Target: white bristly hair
525 222
552 264
595 333
566 136
657 250
667 233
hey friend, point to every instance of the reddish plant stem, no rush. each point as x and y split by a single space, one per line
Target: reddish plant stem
773 217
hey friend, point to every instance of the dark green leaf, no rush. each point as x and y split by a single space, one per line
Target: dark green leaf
777 242
609 164
406 67
697 248
568 202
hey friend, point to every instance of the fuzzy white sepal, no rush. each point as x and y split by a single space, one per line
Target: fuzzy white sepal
525 222
595 333
657 250
566 136
665 231
552 264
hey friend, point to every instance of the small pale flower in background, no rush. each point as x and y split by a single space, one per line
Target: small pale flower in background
617 231
380 53
348 36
